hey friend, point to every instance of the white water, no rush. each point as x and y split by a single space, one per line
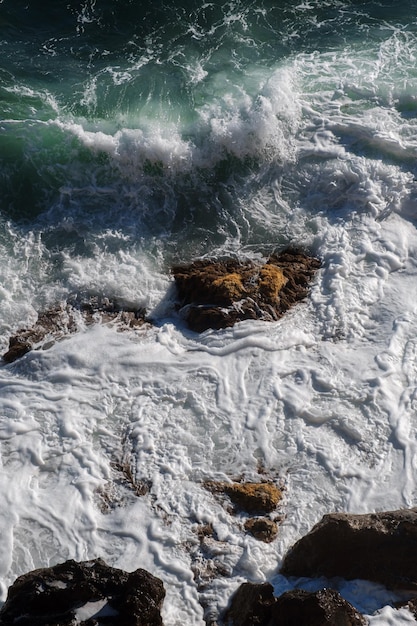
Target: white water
324 399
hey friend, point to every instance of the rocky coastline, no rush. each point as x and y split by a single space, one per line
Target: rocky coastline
379 547
214 294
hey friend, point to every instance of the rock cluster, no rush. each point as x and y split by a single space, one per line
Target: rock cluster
380 547
65 319
211 294
257 499
89 594
217 294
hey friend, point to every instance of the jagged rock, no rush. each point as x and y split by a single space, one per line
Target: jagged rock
250 604
250 497
322 608
255 605
381 547
89 594
67 318
217 294
51 324
262 528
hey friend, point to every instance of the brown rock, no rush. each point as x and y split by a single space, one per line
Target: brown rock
381 547
50 325
66 318
18 346
217 294
53 596
250 497
255 605
262 528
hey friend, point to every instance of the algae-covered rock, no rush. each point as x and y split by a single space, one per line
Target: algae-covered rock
218 293
250 497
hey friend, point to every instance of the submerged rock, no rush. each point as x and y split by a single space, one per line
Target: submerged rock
262 528
381 547
217 294
67 318
255 604
89 594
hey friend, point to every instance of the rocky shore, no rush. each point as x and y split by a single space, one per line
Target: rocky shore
378 547
210 294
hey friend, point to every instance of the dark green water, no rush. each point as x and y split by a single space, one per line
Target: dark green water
192 127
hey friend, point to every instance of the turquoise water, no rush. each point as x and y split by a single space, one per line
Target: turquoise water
185 87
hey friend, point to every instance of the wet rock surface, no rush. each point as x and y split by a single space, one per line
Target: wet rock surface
380 547
67 318
217 294
89 594
212 294
411 605
255 604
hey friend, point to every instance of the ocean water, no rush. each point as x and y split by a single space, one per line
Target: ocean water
137 135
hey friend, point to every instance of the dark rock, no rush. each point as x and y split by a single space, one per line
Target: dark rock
50 325
262 528
18 346
381 547
411 605
217 294
53 597
323 608
250 604
67 318
249 497
255 605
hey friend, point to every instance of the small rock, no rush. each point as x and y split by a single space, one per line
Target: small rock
65 319
262 528
322 608
250 604
250 497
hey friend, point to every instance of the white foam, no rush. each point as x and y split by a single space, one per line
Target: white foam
131 149
323 399
100 608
